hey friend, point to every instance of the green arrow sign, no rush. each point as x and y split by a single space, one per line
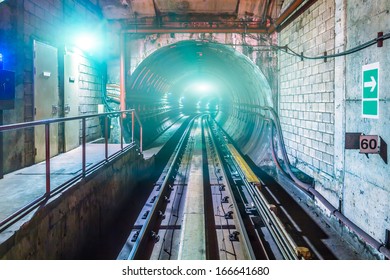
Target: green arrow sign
370 90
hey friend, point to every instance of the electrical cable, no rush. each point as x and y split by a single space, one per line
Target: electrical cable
310 189
365 45
290 51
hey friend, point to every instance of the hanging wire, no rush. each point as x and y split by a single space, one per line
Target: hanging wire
288 50
365 45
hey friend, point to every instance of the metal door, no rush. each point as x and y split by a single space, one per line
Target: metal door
71 99
45 96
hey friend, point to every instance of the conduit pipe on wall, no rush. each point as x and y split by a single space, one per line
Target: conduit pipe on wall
310 189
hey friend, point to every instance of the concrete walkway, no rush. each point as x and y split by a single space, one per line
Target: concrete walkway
19 188
159 143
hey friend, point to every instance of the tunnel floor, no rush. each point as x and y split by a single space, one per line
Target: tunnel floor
303 225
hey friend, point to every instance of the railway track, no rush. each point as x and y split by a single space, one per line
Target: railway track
207 204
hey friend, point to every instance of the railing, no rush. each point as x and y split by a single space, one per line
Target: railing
47 123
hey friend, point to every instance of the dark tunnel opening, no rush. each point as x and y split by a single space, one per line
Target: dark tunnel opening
194 77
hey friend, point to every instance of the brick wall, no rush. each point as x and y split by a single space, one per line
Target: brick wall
322 101
307 91
52 22
90 88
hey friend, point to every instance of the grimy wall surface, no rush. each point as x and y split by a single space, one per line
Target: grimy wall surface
68 224
50 22
321 101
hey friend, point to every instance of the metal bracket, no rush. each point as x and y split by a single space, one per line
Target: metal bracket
145 215
352 142
54 110
383 150
234 236
229 215
135 236
379 40
67 109
155 236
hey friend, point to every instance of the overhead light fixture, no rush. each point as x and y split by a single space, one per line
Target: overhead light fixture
87 42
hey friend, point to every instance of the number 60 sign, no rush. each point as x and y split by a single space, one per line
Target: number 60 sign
369 144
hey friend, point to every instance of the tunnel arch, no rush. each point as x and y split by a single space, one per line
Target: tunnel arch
164 79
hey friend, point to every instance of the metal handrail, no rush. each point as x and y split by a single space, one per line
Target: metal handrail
47 122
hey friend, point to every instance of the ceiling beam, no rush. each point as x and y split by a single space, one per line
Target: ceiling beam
287 13
294 10
297 13
265 12
159 30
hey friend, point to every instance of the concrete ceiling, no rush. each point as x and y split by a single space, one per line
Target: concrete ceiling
150 8
260 15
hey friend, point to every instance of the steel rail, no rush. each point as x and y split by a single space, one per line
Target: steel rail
285 244
178 197
240 226
144 235
211 235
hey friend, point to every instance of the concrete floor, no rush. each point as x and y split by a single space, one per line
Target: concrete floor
193 236
21 187
159 143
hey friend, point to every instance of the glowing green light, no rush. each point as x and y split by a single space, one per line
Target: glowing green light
201 88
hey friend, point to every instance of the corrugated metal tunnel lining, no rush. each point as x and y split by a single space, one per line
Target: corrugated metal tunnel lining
196 76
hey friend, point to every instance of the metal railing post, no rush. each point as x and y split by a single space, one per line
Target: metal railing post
106 136
140 141
83 144
47 157
132 126
121 127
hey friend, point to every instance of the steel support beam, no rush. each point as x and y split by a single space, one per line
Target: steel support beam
160 30
286 14
296 14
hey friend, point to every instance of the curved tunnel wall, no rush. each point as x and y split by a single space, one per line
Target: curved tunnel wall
161 89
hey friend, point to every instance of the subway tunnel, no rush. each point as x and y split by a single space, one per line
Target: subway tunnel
197 77
176 130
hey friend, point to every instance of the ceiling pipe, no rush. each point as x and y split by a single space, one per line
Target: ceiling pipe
161 30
